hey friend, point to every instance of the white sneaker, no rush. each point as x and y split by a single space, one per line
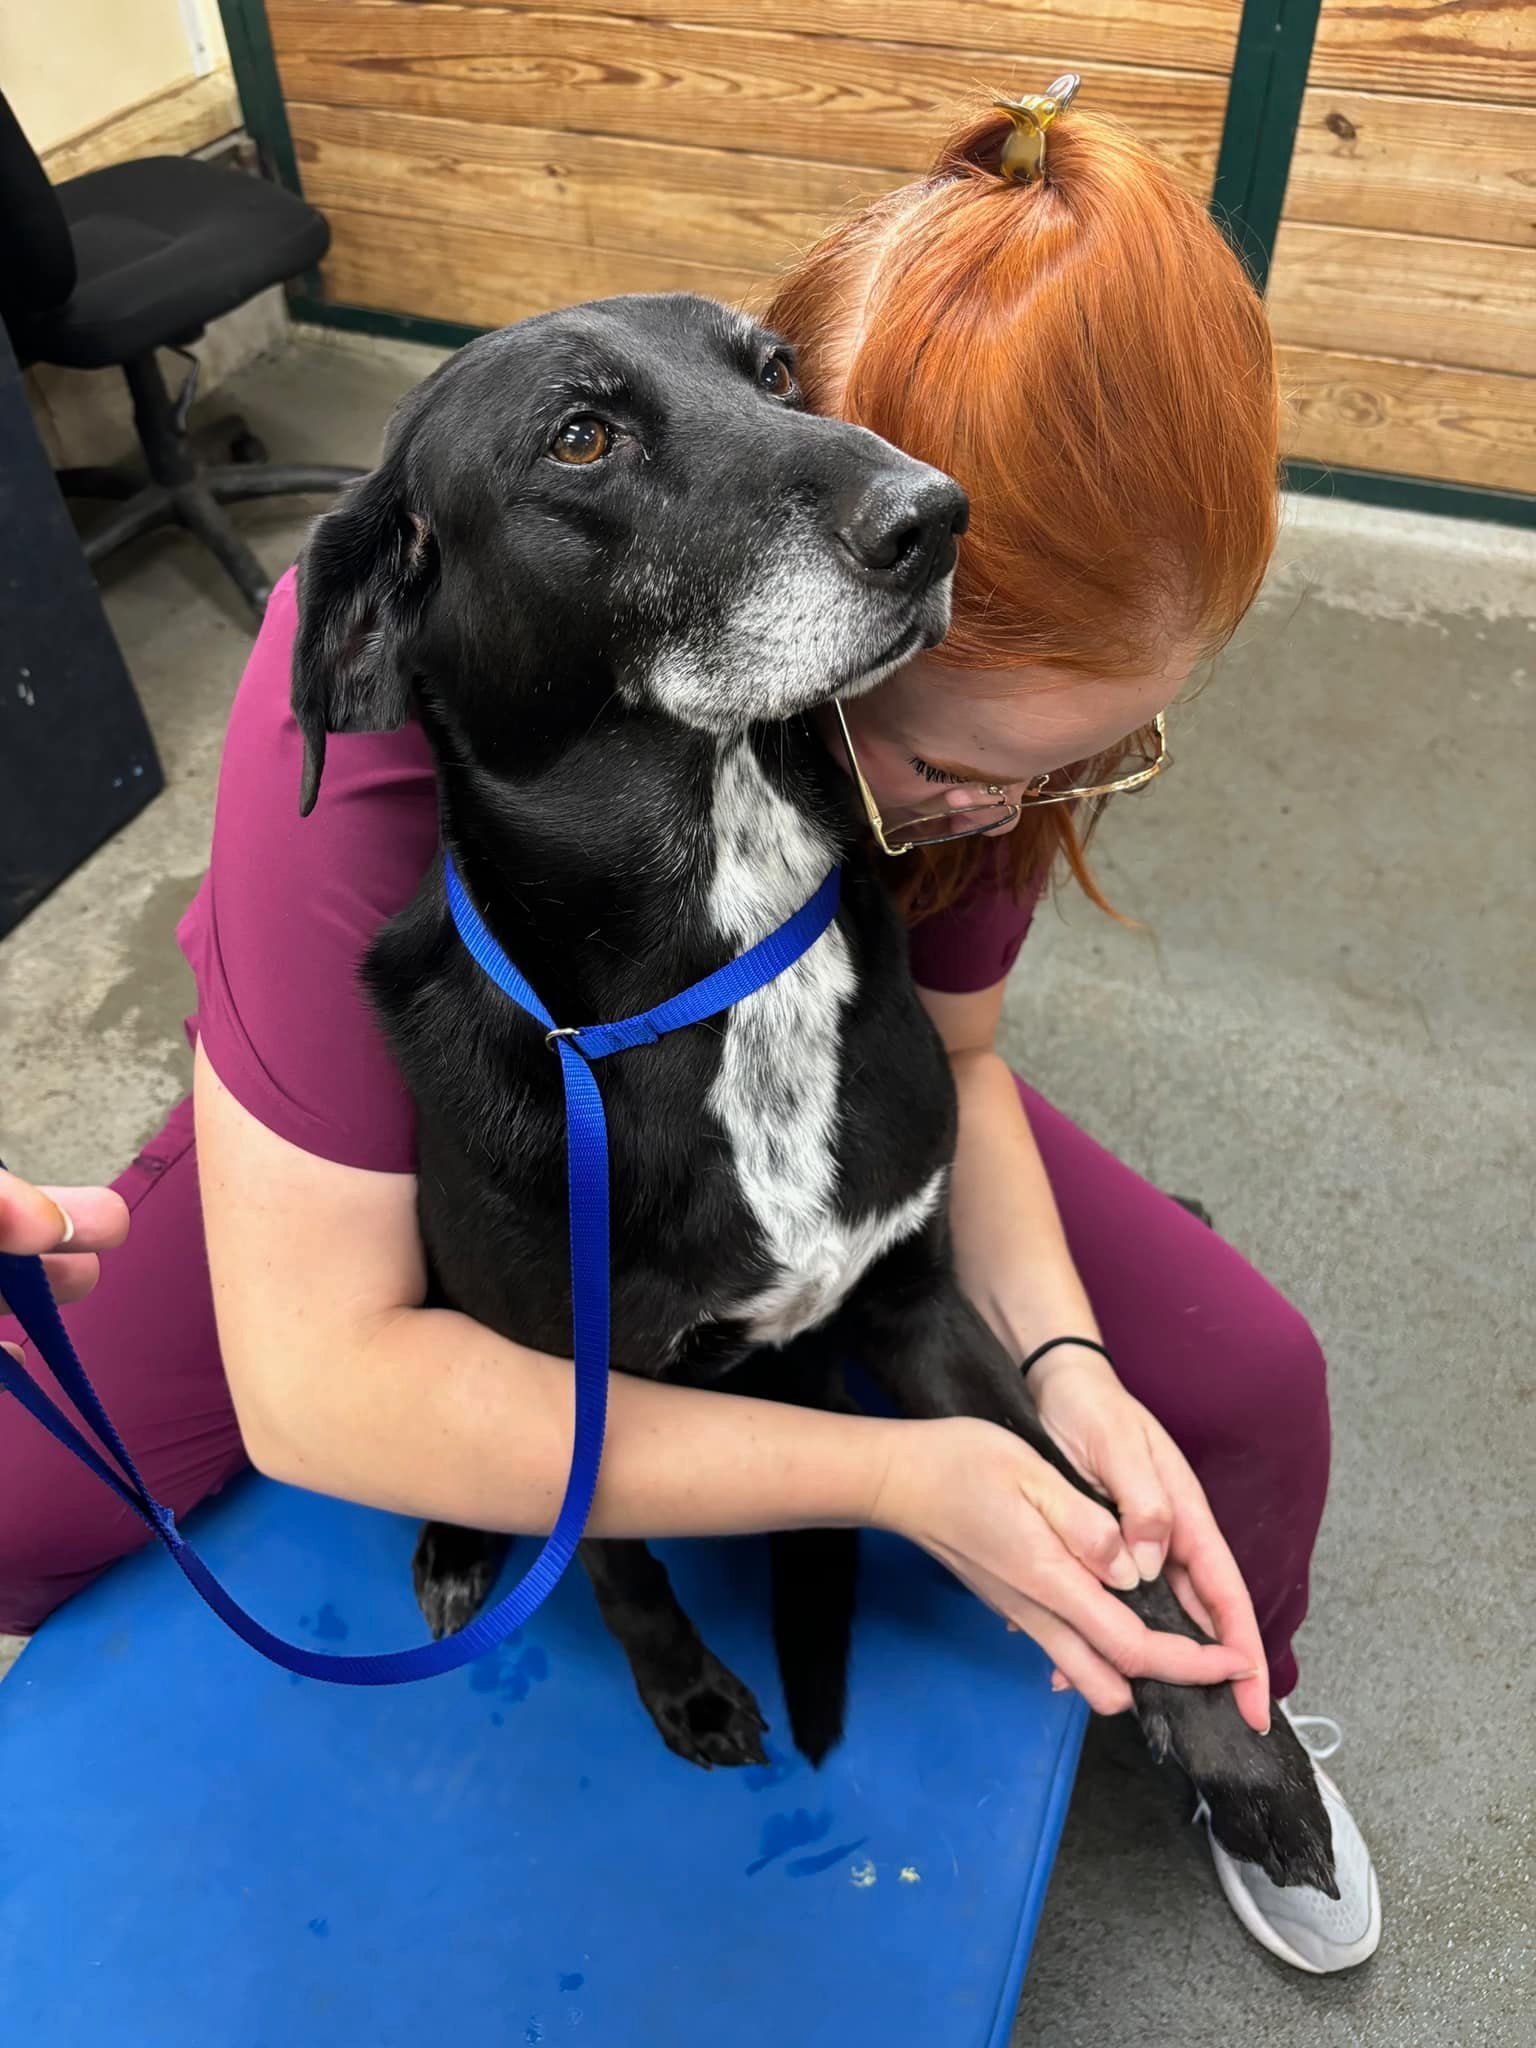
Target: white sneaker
1303 1927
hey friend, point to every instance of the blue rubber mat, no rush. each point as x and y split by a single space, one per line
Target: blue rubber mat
199 1851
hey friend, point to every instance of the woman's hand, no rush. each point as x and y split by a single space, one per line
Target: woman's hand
1041 1554
68 1225
1164 1515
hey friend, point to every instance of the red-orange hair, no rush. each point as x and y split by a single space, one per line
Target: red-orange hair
1087 356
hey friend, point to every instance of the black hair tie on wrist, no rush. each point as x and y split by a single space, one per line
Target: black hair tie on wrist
1054 1343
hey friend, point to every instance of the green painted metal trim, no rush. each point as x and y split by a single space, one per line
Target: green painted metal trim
318 312
1247 90
1412 494
261 90
1258 137
254 64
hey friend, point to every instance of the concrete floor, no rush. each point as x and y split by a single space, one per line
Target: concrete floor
1324 1031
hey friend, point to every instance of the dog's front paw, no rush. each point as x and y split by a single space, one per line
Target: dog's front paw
453 1572
1261 1790
708 1717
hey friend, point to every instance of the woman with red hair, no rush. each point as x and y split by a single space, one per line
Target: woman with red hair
1072 339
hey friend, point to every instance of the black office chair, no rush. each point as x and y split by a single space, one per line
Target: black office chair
101 271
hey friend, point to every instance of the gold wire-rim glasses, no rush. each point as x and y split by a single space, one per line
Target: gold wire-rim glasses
971 820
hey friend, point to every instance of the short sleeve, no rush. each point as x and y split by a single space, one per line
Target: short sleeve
276 934
973 943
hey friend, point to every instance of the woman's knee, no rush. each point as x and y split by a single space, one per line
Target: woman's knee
1280 1378
59 1526
1256 1419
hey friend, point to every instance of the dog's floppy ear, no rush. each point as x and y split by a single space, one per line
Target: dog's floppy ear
364 572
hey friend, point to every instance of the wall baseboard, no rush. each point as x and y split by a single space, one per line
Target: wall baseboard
185 117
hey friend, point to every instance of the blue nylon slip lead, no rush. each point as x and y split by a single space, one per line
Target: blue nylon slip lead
24 1287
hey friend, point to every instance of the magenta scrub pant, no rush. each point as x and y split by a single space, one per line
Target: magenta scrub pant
1226 1364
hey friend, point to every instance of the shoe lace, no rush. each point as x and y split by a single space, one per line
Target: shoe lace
1319 1735
1310 1726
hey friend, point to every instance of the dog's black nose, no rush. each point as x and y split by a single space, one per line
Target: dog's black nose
902 530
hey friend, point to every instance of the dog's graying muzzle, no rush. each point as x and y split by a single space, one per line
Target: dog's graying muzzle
902 530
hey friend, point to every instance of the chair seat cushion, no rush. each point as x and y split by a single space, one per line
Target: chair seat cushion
199 1848
165 245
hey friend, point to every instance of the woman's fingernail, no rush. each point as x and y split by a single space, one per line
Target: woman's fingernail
1060 1684
1124 1575
69 1225
1149 1558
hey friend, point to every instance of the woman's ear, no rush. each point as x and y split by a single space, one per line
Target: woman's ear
363 576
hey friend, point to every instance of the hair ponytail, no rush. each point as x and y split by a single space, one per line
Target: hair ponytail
1087 356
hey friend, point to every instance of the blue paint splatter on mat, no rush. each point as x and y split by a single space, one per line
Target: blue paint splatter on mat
572 1981
533 2032
584 1784
761 1777
808 1866
485 1674
510 1677
329 1626
322 1927
785 1831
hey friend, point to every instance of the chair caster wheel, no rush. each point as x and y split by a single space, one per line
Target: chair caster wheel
248 447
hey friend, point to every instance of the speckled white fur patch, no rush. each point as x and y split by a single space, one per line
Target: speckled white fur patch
776 1092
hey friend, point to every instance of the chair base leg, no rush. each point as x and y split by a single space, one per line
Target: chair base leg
189 492
199 511
194 507
154 506
233 483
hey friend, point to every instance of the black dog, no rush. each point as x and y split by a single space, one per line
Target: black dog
610 564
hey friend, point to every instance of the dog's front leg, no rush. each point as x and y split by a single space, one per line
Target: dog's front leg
454 1571
703 1711
922 1341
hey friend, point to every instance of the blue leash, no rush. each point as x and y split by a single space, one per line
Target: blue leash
24 1287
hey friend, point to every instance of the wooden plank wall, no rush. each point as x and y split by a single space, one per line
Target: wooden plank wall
483 160
1403 288
486 160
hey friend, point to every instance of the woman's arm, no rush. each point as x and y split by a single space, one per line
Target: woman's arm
1010 1249
345 1384
1013 1260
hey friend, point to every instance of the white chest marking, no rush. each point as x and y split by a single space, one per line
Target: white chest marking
776 1092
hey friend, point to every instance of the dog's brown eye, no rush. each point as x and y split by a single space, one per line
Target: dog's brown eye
581 440
776 377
